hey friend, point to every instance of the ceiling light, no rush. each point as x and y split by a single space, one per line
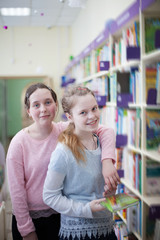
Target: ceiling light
15 11
77 3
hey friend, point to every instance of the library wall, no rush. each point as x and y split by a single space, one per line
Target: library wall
31 51
46 51
91 21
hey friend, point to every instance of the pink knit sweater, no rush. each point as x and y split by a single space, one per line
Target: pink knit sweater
27 164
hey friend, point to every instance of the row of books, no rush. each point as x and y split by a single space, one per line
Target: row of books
99 86
123 83
152 31
130 38
132 164
152 177
153 223
123 88
131 214
91 63
108 117
125 231
132 169
152 84
116 118
134 128
153 129
127 217
101 55
125 121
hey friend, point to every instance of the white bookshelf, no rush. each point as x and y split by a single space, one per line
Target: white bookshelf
146 58
94 76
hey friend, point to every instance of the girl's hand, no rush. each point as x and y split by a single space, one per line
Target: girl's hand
108 193
31 236
110 175
96 206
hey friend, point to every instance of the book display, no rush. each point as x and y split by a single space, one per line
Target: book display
119 201
122 67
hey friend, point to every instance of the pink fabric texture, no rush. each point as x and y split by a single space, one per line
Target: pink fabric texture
27 164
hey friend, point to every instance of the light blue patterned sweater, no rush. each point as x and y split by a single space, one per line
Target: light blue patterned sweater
70 186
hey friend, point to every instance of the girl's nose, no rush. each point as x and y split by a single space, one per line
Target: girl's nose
43 108
90 114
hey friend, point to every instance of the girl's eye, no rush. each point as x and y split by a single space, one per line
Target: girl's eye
36 105
48 102
94 109
82 113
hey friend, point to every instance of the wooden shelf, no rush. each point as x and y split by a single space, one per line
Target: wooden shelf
151 201
154 56
153 155
134 149
148 8
125 65
131 188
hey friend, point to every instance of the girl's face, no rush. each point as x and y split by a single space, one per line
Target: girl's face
85 114
42 106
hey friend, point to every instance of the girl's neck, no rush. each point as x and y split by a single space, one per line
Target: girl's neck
39 132
89 141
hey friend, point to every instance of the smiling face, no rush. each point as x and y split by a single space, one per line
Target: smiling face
42 106
85 114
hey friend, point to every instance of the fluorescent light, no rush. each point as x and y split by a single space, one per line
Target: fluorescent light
15 11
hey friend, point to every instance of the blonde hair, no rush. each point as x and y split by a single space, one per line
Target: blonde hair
68 137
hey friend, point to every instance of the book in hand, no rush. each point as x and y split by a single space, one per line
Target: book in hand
119 201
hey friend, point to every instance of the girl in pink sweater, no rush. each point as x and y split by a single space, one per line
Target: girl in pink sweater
27 163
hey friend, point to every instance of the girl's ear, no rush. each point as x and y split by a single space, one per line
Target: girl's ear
29 113
69 117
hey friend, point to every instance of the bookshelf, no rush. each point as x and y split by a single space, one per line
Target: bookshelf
139 106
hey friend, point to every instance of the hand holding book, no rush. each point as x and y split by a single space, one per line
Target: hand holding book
118 202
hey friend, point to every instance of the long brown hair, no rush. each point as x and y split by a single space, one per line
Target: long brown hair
68 137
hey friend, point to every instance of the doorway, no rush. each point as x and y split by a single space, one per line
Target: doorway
13 116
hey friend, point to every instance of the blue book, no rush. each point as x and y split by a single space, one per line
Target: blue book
158 83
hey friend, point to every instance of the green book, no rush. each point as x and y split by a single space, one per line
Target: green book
118 202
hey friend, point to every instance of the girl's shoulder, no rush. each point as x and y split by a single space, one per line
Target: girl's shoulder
60 126
63 151
61 157
17 142
19 135
63 148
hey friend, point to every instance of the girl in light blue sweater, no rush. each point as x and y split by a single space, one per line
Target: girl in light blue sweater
74 184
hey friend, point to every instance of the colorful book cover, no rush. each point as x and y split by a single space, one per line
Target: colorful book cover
158 83
119 201
151 26
151 75
136 25
153 129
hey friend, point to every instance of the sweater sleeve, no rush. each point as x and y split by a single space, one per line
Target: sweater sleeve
16 180
107 141
53 190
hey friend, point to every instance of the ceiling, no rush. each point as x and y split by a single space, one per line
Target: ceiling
46 13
